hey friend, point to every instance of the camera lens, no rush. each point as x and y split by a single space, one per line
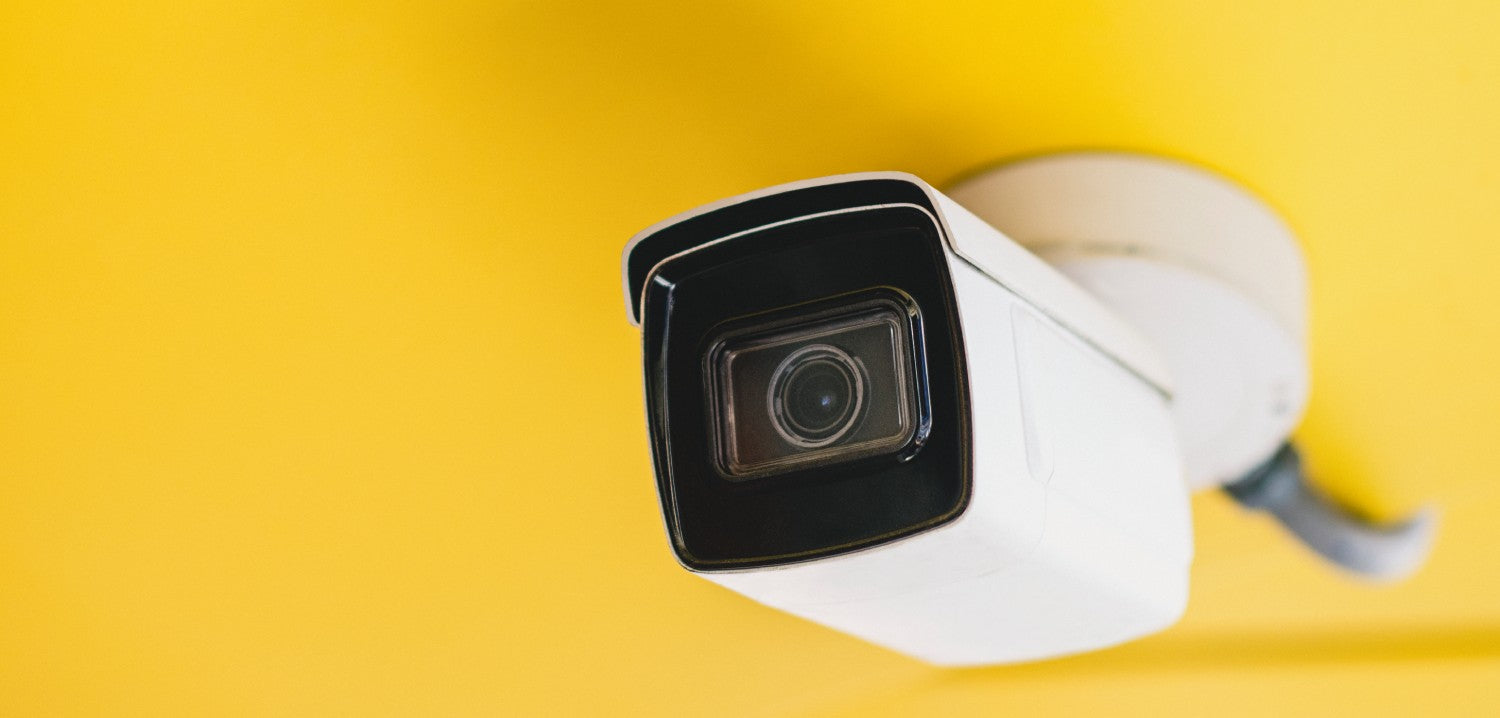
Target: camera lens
805 387
816 395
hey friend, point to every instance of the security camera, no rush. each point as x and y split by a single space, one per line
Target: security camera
870 408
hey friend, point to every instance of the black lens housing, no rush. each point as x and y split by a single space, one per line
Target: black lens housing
795 254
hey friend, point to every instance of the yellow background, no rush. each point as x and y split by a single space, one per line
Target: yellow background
317 395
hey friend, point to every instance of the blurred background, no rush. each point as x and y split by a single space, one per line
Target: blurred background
317 395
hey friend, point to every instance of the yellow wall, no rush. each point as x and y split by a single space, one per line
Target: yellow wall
317 395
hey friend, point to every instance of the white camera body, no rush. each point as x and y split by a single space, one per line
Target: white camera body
870 408
1074 531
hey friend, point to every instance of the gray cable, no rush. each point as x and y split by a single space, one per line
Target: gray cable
1382 552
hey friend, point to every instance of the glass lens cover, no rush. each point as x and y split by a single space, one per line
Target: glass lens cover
803 388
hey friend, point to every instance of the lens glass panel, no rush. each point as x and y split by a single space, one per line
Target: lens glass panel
805 388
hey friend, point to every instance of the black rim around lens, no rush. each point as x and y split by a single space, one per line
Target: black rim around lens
816 395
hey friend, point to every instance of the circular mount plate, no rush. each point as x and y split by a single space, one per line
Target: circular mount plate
1138 204
1202 268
